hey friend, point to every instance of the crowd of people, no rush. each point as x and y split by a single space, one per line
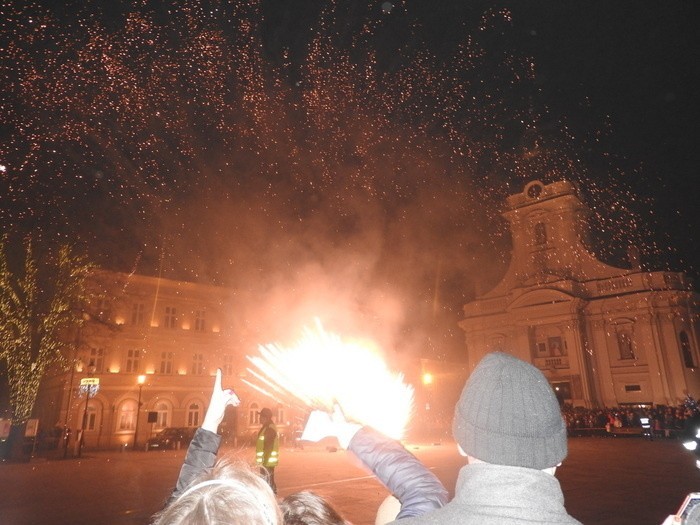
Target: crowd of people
663 421
508 424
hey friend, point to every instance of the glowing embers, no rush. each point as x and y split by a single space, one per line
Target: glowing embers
322 369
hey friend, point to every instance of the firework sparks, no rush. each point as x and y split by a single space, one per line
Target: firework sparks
322 370
182 129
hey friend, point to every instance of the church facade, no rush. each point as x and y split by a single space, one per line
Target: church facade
603 336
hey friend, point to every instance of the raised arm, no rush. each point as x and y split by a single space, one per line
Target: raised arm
201 453
418 490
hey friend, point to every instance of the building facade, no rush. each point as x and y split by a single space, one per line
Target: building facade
151 349
603 336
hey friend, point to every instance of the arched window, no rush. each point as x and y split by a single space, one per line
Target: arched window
253 416
686 351
127 415
194 412
163 417
540 233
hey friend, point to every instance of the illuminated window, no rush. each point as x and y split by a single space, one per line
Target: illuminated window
227 368
562 390
166 362
137 314
163 417
686 350
133 361
127 415
170 320
197 364
193 415
199 320
253 416
97 358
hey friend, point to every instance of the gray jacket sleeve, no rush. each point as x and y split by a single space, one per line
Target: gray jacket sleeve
418 489
201 455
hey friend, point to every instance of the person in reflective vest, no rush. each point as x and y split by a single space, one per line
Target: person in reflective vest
267 447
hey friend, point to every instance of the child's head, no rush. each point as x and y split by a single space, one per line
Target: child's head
307 508
231 492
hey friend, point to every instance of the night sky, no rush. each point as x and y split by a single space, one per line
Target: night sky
348 161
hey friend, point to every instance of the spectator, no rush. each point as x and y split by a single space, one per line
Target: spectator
208 491
267 447
509 425
308 508
225 492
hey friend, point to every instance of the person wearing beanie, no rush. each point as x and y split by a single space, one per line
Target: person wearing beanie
509 425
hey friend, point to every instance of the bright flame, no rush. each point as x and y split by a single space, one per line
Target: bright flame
321 369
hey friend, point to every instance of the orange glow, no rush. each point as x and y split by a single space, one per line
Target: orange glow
427 378
322 370
141 379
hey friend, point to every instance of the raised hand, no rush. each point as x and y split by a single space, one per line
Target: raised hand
220 399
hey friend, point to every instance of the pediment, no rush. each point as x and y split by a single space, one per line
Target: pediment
541 297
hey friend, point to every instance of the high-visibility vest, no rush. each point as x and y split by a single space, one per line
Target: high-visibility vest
260 448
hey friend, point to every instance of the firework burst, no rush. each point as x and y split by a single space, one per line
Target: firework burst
321 370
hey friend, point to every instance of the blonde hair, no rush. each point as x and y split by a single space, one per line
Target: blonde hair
230 493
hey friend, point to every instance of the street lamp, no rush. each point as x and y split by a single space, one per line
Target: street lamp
65 434
89 382
141 380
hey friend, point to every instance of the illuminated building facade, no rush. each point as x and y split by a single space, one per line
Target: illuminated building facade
174 333
603 336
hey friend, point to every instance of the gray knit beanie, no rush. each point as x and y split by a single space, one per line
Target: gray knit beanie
508 415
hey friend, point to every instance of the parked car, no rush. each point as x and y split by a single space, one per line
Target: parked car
171 438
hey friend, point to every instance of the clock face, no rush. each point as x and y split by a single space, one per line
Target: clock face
534 191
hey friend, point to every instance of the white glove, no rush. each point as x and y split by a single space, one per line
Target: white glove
345 430
322 424
220 399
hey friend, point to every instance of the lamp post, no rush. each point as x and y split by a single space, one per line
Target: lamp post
73 364
65 434
88 385
140 380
